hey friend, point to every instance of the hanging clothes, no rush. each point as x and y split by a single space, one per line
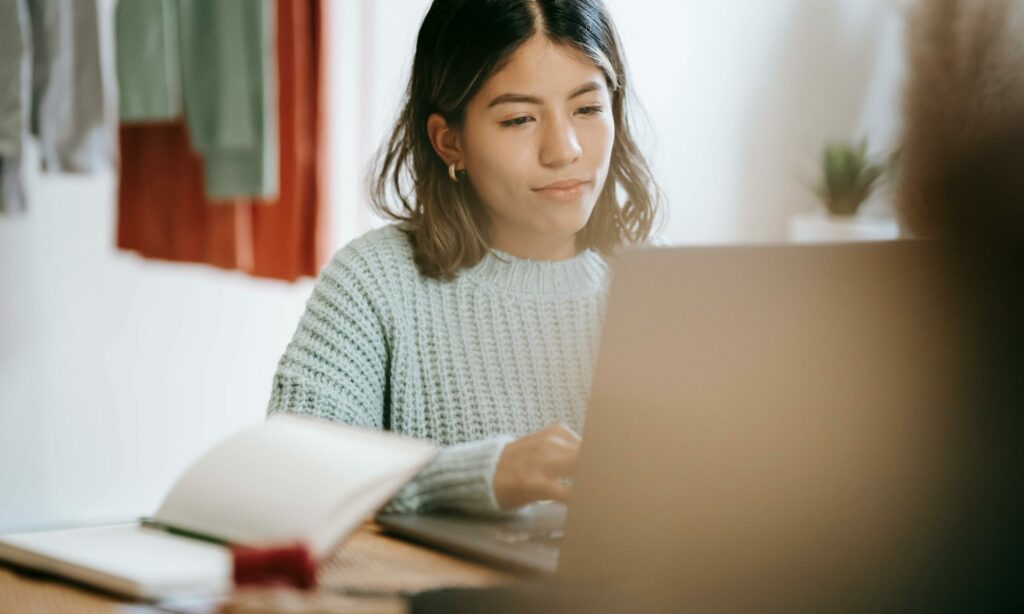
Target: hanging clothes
71 111
164 207
148 60
228 72
52 86
15 100
163 212
291 236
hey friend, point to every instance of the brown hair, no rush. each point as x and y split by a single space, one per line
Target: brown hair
461 43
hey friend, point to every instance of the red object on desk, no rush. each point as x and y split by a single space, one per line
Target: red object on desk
291 566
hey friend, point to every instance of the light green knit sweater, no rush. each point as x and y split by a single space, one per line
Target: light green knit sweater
506 349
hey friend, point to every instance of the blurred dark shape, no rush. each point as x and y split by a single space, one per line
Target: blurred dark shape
537 598
962 179
962 161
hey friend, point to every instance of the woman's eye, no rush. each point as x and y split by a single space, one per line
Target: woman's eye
516 121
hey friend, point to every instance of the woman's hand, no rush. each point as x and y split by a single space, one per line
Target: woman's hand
531 469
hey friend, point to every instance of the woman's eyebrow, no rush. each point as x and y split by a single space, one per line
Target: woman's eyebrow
590 86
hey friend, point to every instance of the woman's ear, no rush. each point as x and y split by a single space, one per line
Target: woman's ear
445 140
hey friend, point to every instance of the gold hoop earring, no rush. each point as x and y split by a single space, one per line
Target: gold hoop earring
452 173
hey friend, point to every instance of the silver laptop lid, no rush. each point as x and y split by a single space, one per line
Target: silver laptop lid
766 423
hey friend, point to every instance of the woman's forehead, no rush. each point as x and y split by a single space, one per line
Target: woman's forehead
543 69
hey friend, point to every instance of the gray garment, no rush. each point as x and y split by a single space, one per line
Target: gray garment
13 64
52 85
506 349
70 106
12 186
15 99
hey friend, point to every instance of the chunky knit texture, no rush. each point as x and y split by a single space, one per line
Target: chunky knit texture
504 350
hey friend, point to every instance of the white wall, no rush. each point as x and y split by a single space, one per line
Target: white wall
115 372
742 96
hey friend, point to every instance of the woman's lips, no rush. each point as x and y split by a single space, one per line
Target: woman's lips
565 191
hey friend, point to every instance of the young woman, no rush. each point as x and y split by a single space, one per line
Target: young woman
473 321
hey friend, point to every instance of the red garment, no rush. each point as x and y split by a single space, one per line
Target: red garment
163 210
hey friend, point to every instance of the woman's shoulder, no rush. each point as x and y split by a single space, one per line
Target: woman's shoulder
387 245
382 252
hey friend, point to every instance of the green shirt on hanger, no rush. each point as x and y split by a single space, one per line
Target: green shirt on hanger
228 64
148 61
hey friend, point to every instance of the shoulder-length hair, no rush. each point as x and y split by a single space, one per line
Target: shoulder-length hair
461 44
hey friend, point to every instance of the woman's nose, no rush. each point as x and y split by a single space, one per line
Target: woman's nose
560 146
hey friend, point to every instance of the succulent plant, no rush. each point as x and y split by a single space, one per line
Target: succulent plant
850 177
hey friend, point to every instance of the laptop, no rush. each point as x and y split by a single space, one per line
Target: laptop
527 541
765 422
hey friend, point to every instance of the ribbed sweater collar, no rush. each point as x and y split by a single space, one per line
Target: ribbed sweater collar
584 273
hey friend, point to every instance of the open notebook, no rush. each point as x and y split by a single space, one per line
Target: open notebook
287 479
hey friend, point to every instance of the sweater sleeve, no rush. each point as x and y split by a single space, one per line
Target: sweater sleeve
460 478
336 367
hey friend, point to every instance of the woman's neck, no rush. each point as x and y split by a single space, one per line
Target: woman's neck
536 248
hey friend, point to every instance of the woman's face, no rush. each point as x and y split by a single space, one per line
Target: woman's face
536 145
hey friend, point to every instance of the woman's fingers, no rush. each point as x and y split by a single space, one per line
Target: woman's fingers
554 490
560 459
562 432
559 452
531 468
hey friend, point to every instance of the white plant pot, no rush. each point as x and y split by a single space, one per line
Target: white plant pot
820 227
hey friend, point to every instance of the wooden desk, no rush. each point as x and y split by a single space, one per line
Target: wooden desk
367 562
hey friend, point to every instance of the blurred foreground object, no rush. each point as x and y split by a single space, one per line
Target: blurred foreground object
962 179
962 162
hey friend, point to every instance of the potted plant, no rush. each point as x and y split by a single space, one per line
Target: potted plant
849 179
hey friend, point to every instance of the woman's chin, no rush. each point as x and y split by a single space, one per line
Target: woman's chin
564 228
